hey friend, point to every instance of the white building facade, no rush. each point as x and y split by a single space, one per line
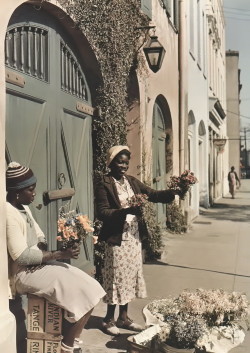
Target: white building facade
218 147
154 139
198 103
233 109
207 130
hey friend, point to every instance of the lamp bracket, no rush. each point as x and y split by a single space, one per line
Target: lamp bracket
145 27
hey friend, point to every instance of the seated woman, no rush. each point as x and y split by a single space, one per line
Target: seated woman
34 270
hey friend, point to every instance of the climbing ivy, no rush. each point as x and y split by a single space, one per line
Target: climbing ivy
153 243
113 29
176 222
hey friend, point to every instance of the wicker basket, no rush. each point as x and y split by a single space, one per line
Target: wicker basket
137 348
165 348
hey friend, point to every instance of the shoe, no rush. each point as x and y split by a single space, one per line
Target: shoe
77 343
110 328
129 325
66 349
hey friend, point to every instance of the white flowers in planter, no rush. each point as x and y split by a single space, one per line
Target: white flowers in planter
208 319
221 339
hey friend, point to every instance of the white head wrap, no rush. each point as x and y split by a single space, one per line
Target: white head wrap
113 151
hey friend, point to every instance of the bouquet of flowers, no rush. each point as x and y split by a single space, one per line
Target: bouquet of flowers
137 200
182 183
207 319
73 228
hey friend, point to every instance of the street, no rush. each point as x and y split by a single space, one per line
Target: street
214 253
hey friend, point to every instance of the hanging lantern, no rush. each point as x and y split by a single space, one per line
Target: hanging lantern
154 53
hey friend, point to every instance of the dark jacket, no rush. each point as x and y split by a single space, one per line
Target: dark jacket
110 212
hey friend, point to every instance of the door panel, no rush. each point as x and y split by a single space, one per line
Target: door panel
44 130
75 163
26 131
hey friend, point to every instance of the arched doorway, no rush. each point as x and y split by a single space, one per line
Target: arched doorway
191 151
48 117
202 166
162 151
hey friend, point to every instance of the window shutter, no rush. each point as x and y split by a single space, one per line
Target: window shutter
146 6
168 7
176 13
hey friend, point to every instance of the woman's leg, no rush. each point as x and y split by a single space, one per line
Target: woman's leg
123 312
108 323
125 322
74 330
110 316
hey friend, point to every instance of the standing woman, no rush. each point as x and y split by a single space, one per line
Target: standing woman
122 273
34 270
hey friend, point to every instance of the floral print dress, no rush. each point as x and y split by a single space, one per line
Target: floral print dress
122 273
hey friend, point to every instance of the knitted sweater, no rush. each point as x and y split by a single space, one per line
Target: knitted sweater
16 233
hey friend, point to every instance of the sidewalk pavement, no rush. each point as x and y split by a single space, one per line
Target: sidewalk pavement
214 253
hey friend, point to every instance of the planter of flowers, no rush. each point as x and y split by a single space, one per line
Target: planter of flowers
207 320
182 334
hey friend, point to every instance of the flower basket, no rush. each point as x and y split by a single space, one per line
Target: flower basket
144 341
165 348
136 348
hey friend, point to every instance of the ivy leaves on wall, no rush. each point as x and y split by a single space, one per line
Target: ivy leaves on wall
112 29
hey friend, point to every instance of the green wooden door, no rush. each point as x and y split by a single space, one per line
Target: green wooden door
159 159
47 127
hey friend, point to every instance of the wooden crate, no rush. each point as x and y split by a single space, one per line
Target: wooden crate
43 346
35 314
53 318
35 346
44 326
52 346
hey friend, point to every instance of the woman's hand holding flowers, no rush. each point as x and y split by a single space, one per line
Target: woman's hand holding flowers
65 254
180 185
42 246
71 253
134 210
136 203
73 229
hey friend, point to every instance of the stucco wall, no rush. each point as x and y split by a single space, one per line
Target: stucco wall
151 85
7 320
